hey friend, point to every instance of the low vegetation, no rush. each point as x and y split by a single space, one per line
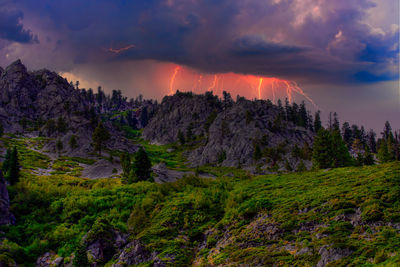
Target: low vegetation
234 219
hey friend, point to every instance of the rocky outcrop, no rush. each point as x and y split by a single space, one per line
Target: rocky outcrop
36 95
38 99
226 132
133 253
163 175
179 113
331 254
5 215
235 131
50 259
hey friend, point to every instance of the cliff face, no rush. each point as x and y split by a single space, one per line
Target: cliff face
5 216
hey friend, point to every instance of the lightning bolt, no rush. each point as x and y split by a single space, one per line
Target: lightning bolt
119 50
257 84
288 91
259 88
171 83
222 86
273 90
196 84
214 83
297 89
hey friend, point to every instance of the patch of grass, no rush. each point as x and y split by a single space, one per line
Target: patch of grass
86 161
29 159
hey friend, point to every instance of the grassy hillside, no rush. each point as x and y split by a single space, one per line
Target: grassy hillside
349 214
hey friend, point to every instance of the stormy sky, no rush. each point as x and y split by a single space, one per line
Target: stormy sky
343 54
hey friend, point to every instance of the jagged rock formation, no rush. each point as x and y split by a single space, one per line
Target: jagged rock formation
36 95
38 99
179 113
230 130
5 215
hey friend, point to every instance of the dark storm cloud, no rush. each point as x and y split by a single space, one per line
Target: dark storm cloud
326 40
12 29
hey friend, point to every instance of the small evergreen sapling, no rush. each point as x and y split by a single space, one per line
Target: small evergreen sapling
100 136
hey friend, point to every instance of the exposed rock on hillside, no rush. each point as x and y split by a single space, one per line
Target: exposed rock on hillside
36 95
237 130
45 101
226 132
180 112
5 215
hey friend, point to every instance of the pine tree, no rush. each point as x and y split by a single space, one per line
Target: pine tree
371 141
386 130
141 165
59 145
347 134
181 137
73 143
336 124
391 147
62 125
383 153
100 136
81 258
317 121
340 154
303 116
301 167
288 167
330 151
322 157
126 163
144 117
189 133
368 157
257 152
288 109
6 162
13 169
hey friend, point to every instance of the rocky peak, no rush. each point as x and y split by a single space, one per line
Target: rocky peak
16 66
15 72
